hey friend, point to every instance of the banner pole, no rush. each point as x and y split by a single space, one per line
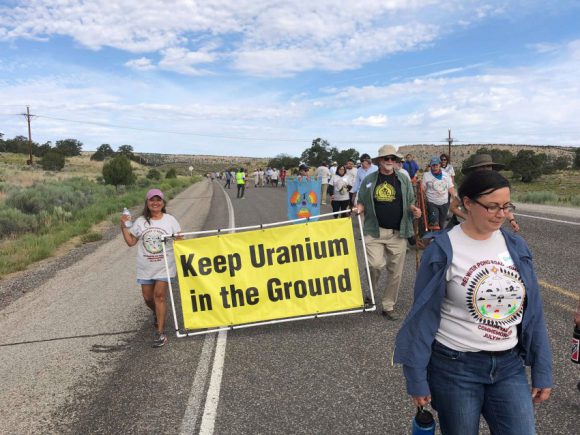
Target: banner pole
360 225
170 285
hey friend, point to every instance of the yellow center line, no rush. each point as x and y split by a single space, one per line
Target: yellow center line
560 290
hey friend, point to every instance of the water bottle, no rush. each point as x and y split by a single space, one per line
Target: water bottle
423 423
129 222
576 347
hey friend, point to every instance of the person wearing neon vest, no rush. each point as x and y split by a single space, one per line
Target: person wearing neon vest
241 183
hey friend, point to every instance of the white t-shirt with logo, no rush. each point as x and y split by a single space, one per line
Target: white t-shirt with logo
485 295
150 263
437 191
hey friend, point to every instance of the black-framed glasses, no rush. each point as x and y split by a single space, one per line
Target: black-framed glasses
494 208
390 159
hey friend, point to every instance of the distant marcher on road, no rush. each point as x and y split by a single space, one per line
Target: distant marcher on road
341 196
241 183
151 274
476 319
283 176
411 167
323 173
351 171
388 202
228 179
447 167
438 188
366 168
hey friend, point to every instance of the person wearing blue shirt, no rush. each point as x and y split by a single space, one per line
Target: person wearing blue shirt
366 168
411 167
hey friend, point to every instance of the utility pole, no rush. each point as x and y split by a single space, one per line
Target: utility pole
28 116
449 140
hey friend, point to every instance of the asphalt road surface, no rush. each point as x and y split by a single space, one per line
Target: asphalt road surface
75 353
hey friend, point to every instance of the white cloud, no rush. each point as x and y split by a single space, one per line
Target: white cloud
141 64
371 121
260 36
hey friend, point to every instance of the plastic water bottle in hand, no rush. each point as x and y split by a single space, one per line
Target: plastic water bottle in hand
423 423
128 222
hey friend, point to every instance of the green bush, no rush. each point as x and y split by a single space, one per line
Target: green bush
154 174
118 171
143 182
171 173
52 161
575 200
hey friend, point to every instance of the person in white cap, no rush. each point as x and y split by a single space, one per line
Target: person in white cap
149 229
388 202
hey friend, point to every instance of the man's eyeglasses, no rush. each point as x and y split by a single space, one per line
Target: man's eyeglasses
443 160
389 159
494 208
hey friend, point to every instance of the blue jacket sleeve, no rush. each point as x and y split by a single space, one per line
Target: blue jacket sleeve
415 338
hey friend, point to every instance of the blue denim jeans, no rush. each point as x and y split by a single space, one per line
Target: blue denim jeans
465 385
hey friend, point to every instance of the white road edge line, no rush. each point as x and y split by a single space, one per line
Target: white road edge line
213 392
191 414
548 219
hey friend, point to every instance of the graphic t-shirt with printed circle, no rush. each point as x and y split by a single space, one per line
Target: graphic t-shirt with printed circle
485 295
150 263
437 190
388 199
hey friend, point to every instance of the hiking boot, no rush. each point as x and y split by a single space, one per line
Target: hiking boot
159 339
391 315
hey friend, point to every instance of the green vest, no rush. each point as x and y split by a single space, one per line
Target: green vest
240 178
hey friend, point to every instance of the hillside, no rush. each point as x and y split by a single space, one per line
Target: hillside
201 163
459 153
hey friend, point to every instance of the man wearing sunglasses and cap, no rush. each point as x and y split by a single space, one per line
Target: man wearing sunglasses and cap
387 200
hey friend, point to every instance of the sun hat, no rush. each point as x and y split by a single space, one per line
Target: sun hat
155 192
435 161
386 150
480 160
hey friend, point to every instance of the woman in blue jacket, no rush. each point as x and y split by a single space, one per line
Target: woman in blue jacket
476 320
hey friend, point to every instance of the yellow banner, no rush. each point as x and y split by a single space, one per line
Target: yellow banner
268 274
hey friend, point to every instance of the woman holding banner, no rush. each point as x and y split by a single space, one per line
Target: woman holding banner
149 229
477 318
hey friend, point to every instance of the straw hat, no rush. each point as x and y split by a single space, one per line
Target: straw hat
387 150
483 160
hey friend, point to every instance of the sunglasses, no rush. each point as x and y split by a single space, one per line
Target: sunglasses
389 159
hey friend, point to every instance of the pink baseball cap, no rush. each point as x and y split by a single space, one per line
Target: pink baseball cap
155 192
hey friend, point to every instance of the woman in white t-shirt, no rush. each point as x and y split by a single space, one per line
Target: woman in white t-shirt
149 230
447 167
477 319
340 197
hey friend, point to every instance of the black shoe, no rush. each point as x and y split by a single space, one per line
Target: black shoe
391 315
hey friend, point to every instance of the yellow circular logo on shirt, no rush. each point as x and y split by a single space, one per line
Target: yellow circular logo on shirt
385 193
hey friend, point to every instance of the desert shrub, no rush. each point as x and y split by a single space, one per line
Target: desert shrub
69 195
171 173
118 171
52 161
541 197
575 200
154 174
15 222
143 182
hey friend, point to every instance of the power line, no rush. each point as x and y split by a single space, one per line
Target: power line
184 133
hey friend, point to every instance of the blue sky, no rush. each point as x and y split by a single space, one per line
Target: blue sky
260 78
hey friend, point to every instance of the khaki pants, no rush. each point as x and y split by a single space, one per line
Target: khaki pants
323 195
395 248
